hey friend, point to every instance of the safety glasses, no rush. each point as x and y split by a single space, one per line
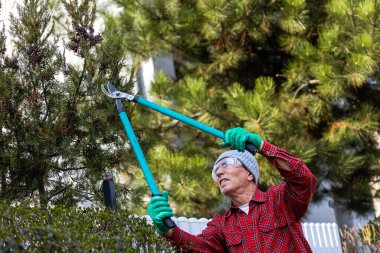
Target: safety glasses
226 163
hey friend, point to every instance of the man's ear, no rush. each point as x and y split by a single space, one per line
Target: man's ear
251 177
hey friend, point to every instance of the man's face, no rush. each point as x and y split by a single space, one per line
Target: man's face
232 177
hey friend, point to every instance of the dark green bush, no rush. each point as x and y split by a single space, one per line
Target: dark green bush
59 229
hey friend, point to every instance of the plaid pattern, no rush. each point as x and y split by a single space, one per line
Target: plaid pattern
273 223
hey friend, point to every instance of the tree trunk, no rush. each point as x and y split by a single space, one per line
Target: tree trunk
3 183
41 192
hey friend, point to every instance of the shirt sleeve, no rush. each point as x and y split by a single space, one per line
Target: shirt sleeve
300 183
210 240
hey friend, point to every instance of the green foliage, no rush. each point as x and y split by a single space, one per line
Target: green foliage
59 132
339 69
214 37
61 229
302 74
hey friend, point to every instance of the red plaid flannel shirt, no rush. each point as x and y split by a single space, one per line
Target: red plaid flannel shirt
273 223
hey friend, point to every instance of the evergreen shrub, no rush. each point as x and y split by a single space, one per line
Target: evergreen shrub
60 229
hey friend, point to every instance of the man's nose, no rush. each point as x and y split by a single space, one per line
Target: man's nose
220 172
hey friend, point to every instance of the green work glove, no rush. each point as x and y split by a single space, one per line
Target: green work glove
236 138
158 209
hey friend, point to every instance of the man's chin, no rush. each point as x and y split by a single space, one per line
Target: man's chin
224 191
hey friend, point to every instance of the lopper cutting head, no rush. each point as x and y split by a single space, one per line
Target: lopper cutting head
112 92
116 94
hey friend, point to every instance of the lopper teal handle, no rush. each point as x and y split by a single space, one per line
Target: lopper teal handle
140 156
180 117
142 161
251 148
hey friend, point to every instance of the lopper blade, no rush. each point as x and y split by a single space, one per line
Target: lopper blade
114 93
111 88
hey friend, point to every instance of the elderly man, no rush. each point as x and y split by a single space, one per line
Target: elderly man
256 221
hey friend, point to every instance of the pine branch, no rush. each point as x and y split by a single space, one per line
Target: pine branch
59 191
70 169
374 22
353 17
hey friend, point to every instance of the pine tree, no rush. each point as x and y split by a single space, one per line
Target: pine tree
338 76
59 132
303 75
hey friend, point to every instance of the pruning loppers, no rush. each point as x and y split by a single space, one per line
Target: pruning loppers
119 96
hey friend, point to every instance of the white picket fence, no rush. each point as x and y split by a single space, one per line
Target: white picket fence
322 237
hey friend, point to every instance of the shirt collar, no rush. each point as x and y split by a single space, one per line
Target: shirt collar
259 197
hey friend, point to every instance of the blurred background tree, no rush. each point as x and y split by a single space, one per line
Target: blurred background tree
303 75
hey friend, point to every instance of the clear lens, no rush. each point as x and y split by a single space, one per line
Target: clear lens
227 163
